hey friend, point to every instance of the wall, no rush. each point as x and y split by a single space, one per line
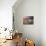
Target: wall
43 22
6 13
29 8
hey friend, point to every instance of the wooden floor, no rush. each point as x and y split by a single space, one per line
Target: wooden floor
9 43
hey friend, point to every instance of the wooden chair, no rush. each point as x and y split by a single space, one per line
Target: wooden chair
18 37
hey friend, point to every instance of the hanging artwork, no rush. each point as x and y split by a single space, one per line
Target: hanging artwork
28 20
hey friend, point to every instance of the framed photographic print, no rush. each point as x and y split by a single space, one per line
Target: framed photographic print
28 20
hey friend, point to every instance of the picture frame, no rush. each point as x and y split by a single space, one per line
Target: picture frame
28 20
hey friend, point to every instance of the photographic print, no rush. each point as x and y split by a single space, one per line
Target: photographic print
28 20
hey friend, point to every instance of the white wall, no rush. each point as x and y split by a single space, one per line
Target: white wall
43 22
6 13
29 8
